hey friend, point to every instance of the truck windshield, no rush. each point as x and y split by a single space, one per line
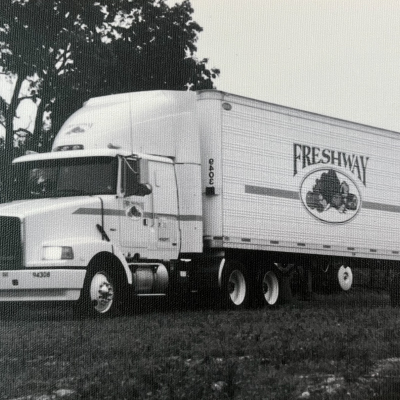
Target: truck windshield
65 177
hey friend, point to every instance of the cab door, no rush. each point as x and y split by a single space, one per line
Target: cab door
164 208
135 238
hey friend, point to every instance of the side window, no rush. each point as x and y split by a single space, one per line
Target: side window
132 185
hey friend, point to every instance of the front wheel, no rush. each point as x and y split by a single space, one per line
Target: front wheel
235 286
99 295
101 292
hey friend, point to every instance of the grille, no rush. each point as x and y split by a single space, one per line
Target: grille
10 243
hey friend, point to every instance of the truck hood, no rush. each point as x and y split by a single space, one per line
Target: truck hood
26 208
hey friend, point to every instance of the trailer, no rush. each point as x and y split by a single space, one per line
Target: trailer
166 193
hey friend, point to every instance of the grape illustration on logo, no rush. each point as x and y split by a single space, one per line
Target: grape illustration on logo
330 196
329 192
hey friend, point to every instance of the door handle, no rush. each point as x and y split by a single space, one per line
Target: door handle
152 206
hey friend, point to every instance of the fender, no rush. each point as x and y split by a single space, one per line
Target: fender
220 269
84 250
117 253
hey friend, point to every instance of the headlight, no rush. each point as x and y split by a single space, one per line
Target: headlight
58 253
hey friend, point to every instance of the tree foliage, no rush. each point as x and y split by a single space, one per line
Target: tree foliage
72 50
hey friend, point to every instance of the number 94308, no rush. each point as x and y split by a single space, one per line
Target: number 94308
41 274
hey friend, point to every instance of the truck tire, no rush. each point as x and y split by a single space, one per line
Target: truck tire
235 286
101 295
344 276
334 278
268 287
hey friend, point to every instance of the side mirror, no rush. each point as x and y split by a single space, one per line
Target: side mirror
146 188
144 171
140 189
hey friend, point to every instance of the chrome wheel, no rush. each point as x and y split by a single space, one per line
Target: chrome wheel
345 277
270 287
237 287
101 292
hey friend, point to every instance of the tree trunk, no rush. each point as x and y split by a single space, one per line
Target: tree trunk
7 180
39 140
34 142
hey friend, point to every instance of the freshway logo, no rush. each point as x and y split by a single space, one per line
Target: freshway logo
330 195
305 156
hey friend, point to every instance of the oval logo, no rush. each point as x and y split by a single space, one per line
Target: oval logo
330 196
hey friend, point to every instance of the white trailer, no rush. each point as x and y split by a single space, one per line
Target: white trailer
163 193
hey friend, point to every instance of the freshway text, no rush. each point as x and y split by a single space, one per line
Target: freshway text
305 156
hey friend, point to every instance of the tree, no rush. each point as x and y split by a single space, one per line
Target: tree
72 50
80 50
42 39
35 42
155 45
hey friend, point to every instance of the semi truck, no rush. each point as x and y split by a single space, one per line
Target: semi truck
168 193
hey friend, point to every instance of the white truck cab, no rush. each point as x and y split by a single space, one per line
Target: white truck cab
96 209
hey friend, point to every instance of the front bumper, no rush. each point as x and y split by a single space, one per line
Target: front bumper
41 284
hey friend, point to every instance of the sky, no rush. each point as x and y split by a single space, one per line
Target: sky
332 57
339 58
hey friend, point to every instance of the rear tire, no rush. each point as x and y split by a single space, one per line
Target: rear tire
344 276
235 286
269 288
334 278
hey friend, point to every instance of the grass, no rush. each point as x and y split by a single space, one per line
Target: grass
335 347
